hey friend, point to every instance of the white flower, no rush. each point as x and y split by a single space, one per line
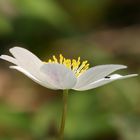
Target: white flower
63 73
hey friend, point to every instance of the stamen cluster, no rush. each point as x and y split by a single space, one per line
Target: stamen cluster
76 66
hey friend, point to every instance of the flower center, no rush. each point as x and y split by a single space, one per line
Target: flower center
76 66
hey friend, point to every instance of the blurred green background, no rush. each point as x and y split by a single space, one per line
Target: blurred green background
101 31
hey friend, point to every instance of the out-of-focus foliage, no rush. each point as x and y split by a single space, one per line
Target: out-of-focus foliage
101 31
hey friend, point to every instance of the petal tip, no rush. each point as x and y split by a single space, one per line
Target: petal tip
120 65
1 56
123 66
12 67
133 75
15 47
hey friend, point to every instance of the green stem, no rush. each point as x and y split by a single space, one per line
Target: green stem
63 119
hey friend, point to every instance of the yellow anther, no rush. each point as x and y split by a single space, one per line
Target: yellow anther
79 59
50 61
75 65
68 63
61 58
55 59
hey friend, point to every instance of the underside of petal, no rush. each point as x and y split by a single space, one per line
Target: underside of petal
104 81
32 77
9 59
96 73
59 76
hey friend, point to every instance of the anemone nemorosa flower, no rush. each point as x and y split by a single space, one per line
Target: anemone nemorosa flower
63 73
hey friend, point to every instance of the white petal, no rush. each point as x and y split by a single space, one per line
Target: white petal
32 77
27 60
58 75
9 59
31 64
104 81
96 73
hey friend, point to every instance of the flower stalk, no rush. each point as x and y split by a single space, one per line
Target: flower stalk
64 113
